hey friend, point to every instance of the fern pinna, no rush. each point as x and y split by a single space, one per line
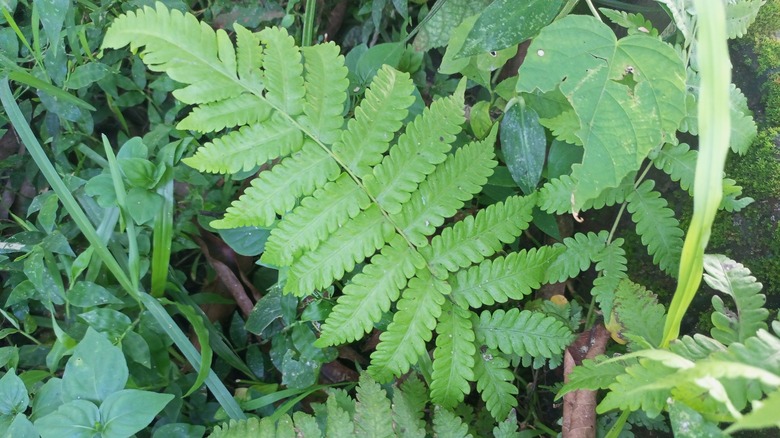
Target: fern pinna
340 192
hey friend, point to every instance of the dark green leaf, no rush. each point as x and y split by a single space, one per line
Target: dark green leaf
88 294
143 205
246 241
508 22
86 74
52 14
75 419
108 321
13 394
524 145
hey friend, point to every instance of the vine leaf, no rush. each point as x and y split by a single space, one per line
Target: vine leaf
640 79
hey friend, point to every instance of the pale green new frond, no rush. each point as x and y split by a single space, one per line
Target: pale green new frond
190 52
695 348
453 358
645 386
325 80
732 278
404 340
526 332
370 293
638 311
555 195
238 111
503 278
740 15
243 428
314 220
247 148
283 71
422 146
338 254
732 201
593 374
444 192
377 118
656 225
476 237
581 249
249 57
339 421
306 426
494 383
275 192
679 162
448 425
408 409
373 415
611 266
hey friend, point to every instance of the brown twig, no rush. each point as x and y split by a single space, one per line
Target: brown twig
579 407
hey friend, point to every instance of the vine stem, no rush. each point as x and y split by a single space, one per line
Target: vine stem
593 9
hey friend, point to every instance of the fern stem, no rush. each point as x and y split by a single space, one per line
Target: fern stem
308 23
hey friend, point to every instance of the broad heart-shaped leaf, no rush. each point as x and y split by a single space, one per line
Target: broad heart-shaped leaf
75 419
126 412
13 394
96 369
524 145
629 95
508 22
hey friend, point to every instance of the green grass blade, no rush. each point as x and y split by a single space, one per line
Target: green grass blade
99 247
23 77
162 236
714 134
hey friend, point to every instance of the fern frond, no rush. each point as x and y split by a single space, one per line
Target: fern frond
306 426
247 148
638 311
734 279
761 349
404 340
244 428
188 51
494 383
503 278
283 71
657 226
453 358
526 332
731 201
740 15
377 118
370 293
679 162
593 374
339 421
611 266
275 192
238 111
325 81
695 348
476 237
444 192
351 244
645 386
249 57
373 415
420 148
314 220
555 195
580 250
409 407
446 424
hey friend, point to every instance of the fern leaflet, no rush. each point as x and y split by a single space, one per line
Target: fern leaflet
657 226
408 410
446 424
373 414
323 105
526 332
283 71
639 312
503 278
581 249
238 111
453 358
476 237
611 266
370 293
735 280
494 383
412 326
593 374
339 421
645 386
555 195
